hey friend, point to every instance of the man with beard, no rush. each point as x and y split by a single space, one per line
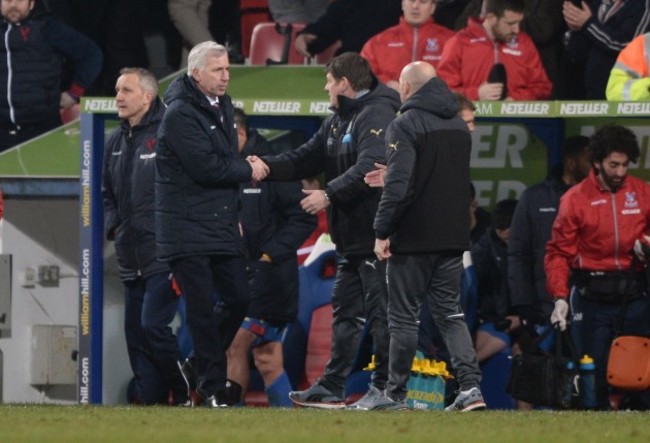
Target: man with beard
602 223
491 59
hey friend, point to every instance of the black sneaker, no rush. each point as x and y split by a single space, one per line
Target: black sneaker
317 397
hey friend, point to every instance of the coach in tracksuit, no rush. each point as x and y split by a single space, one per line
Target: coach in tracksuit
128 191
422 229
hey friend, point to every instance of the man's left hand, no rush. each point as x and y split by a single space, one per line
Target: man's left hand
315 201
382 249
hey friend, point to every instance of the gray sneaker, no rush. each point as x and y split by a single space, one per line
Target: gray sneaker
317 397
471 400
366 402
383 402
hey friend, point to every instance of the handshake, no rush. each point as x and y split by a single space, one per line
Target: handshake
260 169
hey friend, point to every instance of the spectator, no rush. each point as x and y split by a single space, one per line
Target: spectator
491 59
198 171
531 230
428 155
543 22
274 225
490 260
297 11
416 37
128 191
599 30
191 18
589 260
345 147
32 50
352 22
629 79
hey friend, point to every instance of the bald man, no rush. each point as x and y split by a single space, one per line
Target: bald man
422 229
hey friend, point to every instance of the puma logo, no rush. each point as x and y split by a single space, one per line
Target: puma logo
376 131
393 146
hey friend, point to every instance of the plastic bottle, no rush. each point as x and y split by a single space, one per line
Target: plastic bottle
588 382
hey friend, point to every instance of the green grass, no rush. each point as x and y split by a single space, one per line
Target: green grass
71 424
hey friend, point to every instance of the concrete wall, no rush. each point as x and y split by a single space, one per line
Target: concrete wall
46 232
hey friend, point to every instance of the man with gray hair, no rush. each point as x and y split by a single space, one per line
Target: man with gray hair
427 151
128 192
198 171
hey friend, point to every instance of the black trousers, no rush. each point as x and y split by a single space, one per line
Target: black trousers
212 325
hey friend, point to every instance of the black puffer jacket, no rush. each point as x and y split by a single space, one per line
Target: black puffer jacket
274 224
424 207
490 260
198 171
128 191
346 147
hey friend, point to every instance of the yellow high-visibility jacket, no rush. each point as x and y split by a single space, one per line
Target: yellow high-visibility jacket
629 77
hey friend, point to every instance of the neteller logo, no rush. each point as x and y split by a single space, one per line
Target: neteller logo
100 105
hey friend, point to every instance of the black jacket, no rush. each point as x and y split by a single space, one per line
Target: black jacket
346 147
274 224
128 191
490 260
352 22
529 231
425 204
198 171
31 55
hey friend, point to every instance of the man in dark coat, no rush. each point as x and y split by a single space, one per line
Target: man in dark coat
128 190
346 147
198 172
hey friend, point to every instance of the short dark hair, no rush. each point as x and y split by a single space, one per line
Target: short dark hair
613 138
464 103
574 146
241 119
503 212
499 7
353 67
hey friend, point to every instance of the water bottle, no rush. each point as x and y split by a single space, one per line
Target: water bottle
588 381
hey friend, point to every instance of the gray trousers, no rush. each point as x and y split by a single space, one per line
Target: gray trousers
437 277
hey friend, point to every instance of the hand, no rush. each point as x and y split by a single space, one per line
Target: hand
315 201
375 179
393 84
490 91
641 248
560 312
260 169
575 17
382 249
301 43
67 101
515 322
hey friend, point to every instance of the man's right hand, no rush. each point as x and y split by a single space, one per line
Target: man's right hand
490 91
302 42
260 169
375 179
560 313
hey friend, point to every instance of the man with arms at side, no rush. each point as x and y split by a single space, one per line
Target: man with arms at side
345 147
274 226
491 59
128 190
198 172
602 223
428 153
416 37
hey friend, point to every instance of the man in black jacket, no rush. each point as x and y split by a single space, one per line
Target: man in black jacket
198 172
274 226
31 53
128 191
422 229
345 147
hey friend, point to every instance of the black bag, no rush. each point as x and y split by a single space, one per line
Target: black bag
544 379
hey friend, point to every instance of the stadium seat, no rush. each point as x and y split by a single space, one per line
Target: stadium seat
272 44
324 57
252 12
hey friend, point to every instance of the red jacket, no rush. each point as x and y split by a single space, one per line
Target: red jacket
390 50
595 230
469 56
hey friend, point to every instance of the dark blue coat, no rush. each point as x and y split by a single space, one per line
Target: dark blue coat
198 171
128 192
274 224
